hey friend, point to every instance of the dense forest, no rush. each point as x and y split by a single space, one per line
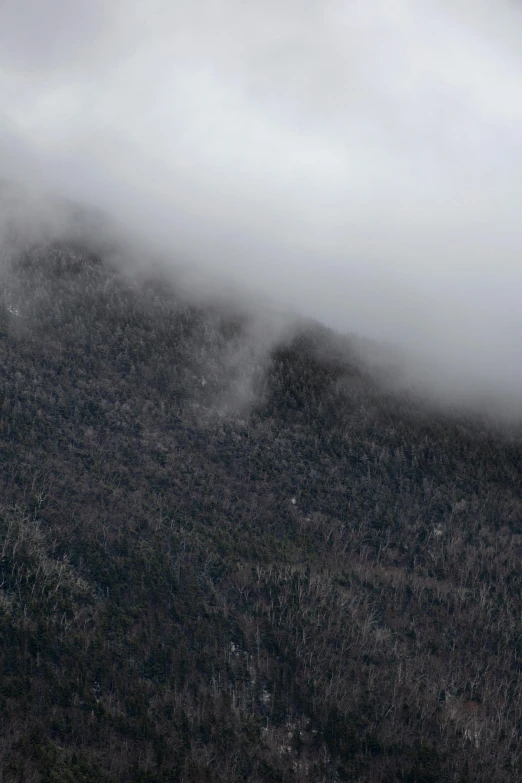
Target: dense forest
220 563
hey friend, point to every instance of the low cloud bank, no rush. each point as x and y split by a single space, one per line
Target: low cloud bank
359 162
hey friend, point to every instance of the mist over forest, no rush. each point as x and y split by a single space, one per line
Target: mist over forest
260 392
358 163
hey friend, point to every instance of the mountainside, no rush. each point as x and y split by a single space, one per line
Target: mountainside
226 562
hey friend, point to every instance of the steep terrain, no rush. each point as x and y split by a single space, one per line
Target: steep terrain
220 563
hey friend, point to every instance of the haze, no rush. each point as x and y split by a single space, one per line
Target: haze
357 161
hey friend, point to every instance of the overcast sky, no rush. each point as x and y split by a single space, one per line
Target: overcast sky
359 160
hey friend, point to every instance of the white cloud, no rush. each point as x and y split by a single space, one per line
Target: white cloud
360 160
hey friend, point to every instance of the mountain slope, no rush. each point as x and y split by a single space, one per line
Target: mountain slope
224 563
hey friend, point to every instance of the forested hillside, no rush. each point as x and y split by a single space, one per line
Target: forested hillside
223 564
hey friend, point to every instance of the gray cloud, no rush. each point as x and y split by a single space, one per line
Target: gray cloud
358 161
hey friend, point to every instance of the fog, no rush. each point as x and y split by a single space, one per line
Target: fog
359 162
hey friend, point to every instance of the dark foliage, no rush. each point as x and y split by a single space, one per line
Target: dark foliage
218 566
